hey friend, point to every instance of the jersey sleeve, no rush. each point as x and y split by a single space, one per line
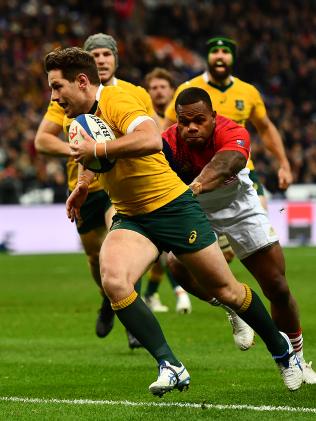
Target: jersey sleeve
55 113
258 109
121 109
234 139
147 101
170 112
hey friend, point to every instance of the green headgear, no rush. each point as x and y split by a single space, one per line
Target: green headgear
218 42
101 41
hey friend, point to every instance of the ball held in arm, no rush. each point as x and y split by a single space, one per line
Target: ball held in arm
100 132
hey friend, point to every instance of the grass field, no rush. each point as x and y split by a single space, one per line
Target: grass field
53 367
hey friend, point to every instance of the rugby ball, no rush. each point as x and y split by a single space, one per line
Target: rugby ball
99 131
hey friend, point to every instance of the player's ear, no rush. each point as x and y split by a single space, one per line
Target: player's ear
82 80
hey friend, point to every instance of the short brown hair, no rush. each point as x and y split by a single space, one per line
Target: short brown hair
159 73
72 61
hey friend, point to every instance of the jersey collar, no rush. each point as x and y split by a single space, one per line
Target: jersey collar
98 94
206 79
97 99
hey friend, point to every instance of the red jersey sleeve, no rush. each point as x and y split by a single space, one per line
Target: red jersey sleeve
231 137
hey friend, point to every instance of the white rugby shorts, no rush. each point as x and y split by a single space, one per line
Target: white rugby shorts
242 218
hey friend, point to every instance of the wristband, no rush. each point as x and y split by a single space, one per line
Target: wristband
95 152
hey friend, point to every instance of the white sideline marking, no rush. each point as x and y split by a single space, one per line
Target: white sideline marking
263 408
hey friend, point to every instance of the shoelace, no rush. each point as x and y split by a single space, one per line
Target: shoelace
233 321
173 372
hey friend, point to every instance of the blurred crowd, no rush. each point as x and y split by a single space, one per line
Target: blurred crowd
276 52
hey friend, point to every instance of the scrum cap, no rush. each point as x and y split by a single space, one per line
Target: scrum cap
101 40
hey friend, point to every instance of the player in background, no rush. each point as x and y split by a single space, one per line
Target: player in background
97 212
155 211
160 86
242 103
207 151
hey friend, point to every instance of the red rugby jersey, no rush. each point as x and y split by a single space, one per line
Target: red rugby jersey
189 161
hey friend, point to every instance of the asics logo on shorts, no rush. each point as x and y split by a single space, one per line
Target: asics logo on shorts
193 237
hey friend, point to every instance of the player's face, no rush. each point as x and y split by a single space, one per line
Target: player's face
105 61
68 94
160 91
196 123
220 62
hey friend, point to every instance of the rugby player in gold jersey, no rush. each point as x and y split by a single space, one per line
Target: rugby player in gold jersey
96 214
155 212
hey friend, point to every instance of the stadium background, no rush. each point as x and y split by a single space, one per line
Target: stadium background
52 366
276 52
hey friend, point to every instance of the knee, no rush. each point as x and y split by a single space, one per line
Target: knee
93 259
228 296
114 282
109 277
277 290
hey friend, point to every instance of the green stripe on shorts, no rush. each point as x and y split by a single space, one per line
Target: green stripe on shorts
253 175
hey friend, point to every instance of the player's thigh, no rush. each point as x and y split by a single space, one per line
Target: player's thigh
210 268
126 254
245 223
251 234
268 267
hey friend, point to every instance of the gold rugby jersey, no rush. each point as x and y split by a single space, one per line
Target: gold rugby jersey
238 101
56 114
135 185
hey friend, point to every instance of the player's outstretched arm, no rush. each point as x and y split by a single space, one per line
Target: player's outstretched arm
273 142
223 166
47 140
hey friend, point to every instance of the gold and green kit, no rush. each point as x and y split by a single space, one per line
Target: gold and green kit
135 185
56 114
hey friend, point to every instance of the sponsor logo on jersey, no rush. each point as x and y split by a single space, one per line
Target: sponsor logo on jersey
240 142
239 104
193 237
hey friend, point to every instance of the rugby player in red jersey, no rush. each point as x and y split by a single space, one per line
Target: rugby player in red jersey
210 153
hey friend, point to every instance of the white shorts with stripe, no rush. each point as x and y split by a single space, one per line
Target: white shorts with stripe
235 210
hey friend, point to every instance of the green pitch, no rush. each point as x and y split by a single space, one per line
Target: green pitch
49 352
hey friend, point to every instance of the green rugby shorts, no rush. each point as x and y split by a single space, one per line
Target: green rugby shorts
180 226
92 212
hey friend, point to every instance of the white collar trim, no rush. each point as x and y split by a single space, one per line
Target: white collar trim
206 77
98 94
